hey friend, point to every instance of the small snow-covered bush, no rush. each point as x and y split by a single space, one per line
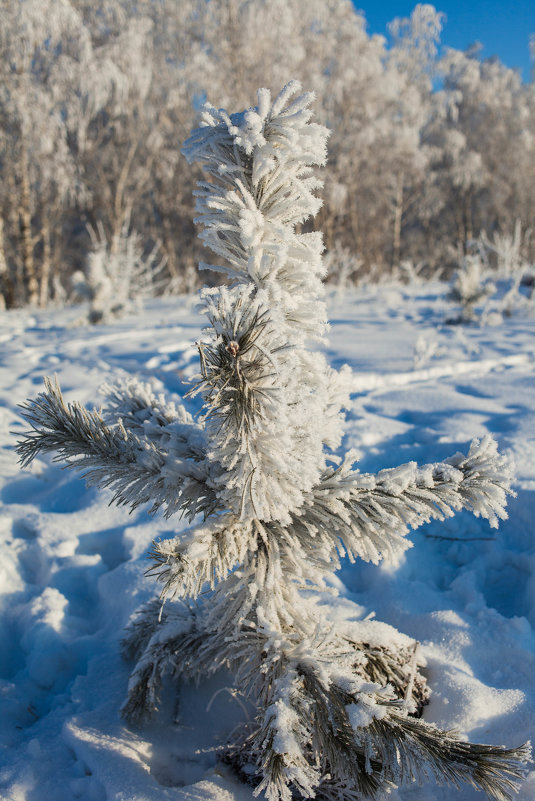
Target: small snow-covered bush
470 286
515 276
343 268
272 508
118 275
506 251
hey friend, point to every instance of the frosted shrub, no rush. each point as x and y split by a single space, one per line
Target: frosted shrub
118 276
506 250
426 349
342 267
272 510
506 254
469 287
410 273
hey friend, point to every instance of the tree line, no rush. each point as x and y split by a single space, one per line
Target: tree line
429 147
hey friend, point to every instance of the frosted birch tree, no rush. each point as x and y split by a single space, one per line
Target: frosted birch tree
412 61
95 96
39 173
135 102
484 137
272 508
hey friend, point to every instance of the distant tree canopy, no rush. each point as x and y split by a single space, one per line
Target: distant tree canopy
97 97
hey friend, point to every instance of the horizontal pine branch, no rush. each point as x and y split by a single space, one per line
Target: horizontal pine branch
113 456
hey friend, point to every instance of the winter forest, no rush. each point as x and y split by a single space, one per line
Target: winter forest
266 531
429 148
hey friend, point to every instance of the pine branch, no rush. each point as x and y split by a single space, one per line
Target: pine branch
316 732
131 465
357 732
202 555
237 370
412 750
162 640
162 421
140 629
401 750
399 669
370 516
168 640
333 739
282 742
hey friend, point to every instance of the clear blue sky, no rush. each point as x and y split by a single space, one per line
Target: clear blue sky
503 28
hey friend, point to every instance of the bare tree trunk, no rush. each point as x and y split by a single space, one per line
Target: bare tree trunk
44 278
6 284
461 228
326 223
398 213
25 217
468 223
122 206
354 227
169 251
233 51
3 262
121 209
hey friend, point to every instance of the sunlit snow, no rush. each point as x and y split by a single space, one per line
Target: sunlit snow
72 567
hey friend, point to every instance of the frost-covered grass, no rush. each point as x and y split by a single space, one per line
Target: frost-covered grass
72 567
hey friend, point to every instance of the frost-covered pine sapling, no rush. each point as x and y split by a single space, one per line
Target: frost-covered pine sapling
468 288
118 276
506 251
338 704
512 269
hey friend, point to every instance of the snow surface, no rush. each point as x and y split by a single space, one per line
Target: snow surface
72 567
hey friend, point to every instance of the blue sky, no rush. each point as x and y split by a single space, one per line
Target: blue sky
503 28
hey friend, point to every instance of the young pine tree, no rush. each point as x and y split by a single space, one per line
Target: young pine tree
469 286
272 511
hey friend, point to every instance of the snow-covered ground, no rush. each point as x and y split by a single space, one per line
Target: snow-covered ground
72 567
